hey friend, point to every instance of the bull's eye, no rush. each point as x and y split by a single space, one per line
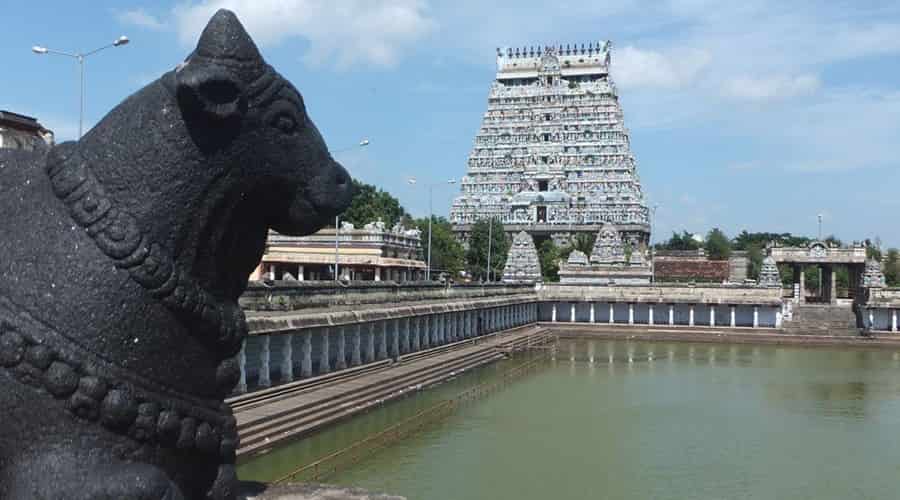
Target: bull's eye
285 123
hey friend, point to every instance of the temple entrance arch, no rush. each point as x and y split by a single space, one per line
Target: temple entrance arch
827 260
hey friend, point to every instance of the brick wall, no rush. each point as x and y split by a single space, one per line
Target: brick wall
690 269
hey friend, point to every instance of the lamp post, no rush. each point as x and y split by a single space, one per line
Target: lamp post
490 242
653 250
412 181
80 57
820 226
337 219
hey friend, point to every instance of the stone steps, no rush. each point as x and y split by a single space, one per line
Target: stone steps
822 319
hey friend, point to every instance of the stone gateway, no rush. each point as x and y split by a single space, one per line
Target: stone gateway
123 256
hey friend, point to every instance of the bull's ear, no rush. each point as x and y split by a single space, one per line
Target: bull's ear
210 92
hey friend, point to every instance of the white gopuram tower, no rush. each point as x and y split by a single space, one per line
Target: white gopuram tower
553 156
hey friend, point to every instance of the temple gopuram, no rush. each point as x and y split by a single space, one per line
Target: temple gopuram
553 156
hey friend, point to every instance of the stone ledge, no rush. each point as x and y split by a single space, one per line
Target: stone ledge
261 323
259 491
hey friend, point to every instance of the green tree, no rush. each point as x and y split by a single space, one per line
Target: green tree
476 257
683 241
718 247
872 249
447 253
745 239
370 204
549 255
584 242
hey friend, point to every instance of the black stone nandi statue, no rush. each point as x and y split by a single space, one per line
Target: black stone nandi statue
122 257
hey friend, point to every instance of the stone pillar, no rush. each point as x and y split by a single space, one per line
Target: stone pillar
300 276
414 333
406 333
871 325
778 317
733 316
755 316
712 315
325 356
553 313
264 357
436 332
341 351
394 337
356 346
382 341
242 363
802 285
833 284
306 368
671 315
426 331
630 314
287 358
572 313
650 314
592 313
612 313
893 320
691 315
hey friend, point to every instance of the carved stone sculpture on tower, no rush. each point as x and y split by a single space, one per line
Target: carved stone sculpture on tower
125 254
768 274
577 258
522 263
608 247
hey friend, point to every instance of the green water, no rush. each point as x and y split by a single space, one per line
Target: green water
660 421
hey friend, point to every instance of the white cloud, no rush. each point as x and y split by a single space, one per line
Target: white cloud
771 87
141 18
340 33
633 67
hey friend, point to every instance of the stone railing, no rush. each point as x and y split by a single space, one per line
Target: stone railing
297 295
663 294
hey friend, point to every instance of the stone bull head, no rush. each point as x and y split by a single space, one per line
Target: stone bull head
122 259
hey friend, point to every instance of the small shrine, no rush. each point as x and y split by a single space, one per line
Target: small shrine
522 263
873 277
609 263
768 274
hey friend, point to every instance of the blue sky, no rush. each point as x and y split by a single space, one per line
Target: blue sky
752 115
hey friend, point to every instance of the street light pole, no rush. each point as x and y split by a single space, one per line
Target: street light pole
38 49
412 180
337 220
490 242
337 246
820 227
653 250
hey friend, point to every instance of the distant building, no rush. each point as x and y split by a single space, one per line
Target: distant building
23 132
371 253
690 265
